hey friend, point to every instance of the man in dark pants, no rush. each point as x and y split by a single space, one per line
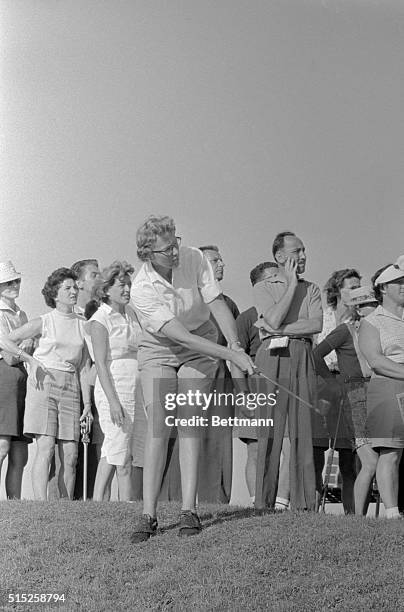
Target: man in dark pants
216 462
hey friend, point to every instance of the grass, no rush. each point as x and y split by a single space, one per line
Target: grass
290 561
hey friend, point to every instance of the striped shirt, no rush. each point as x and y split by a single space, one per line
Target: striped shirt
391 330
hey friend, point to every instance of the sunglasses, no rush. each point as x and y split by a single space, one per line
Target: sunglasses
15 281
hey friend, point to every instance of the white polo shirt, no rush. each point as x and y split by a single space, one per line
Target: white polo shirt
193 286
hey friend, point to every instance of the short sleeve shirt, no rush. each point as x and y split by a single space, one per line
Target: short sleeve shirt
306 303
10 319
193 286
123 331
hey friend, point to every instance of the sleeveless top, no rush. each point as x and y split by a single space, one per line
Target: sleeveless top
61 343
391 330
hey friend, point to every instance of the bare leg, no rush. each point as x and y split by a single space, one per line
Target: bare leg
251 466
348 475
123 474
17 460
45 449
155 454
105 474
189 448
4 448
387 475
368 458
68 452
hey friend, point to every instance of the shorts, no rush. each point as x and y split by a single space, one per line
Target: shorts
53 410
167 367
118 440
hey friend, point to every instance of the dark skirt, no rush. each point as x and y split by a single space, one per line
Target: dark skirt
13 388
292 367
385 406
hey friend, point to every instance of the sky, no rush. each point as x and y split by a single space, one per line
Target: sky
239 119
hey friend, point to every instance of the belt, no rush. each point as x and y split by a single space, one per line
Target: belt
302 338
349 379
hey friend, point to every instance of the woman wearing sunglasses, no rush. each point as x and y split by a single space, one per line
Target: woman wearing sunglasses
174 294
381 340
13 378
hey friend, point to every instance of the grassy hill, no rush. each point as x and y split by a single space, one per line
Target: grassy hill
291 561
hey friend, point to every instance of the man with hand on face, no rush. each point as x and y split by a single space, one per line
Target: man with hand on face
216 461
290 312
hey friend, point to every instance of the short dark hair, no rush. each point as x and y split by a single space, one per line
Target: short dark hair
209 247
378 288
334 284
257 272
279 241
79 266
53 284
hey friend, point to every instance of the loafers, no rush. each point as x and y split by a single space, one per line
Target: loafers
189 524
145 528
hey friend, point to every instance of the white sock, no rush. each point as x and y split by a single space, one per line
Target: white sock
281 503
392 512
252 499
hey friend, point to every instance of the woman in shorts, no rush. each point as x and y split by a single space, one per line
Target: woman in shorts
174 294
115 331
53 389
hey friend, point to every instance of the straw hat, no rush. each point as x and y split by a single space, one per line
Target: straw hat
8 272
361 295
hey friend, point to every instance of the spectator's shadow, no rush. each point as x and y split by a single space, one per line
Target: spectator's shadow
222 516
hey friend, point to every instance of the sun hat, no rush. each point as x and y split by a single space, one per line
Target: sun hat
8 272
360 295
391 273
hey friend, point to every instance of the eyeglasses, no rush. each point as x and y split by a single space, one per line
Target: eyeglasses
15 281
170 249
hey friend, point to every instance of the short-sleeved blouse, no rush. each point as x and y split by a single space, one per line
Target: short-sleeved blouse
123 332
391 330
193 286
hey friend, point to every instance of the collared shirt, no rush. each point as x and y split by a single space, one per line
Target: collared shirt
123 332
306 303
193 286
10 319
391 330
